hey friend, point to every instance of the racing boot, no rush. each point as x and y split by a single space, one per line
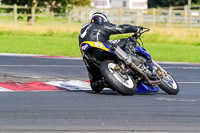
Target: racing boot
98 85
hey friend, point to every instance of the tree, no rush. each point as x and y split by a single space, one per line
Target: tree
167 3
59 3
58 6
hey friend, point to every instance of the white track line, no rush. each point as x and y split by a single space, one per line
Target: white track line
189 82
179 63
182 67
72 66
13 54
83 66
79 58
41 56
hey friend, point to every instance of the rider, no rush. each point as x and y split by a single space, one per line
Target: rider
99 30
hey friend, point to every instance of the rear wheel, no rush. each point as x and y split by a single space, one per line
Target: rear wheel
124 84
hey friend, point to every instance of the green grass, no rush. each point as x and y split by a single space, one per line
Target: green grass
66 44
167 39
173 52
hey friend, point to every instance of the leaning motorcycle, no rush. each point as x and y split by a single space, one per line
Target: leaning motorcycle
128 75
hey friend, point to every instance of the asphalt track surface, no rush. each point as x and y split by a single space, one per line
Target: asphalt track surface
84 111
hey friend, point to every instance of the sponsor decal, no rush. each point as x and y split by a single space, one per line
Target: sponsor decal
98 44
85 46
114 41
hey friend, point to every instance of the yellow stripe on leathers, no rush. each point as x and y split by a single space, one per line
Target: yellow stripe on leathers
99 45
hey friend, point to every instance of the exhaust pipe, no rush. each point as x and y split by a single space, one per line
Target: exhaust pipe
129 61
121 54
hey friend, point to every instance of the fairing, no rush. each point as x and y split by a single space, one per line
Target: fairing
143 51
143 88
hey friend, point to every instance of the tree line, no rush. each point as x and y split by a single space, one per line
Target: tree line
62 4
68 4
167 3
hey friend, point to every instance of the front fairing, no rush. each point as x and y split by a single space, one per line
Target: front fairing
142 51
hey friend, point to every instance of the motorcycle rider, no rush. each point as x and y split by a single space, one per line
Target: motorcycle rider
99 30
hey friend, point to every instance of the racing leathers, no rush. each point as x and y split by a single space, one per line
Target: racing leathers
100 32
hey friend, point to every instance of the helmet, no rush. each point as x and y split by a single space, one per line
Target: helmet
99 18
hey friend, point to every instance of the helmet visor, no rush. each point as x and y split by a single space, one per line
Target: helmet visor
100 18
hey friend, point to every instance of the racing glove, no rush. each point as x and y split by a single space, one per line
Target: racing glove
139 32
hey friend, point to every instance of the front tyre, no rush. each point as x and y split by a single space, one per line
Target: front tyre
169 84
124 84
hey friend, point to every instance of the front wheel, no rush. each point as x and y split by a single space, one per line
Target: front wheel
169 84
124 84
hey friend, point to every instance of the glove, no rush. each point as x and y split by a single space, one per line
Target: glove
139 31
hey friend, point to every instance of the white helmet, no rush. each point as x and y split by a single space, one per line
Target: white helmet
99 18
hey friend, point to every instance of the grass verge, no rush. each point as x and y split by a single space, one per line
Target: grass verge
163 44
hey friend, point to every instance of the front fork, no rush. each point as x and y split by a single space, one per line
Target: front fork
160 71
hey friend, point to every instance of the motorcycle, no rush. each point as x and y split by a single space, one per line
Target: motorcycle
128 75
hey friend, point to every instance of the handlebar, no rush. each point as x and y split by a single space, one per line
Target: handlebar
139 33
143 29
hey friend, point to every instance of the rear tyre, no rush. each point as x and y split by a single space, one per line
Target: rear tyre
124 84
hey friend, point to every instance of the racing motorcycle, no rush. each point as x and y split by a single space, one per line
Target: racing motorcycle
128 75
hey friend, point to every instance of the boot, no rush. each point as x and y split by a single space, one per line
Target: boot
98 85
